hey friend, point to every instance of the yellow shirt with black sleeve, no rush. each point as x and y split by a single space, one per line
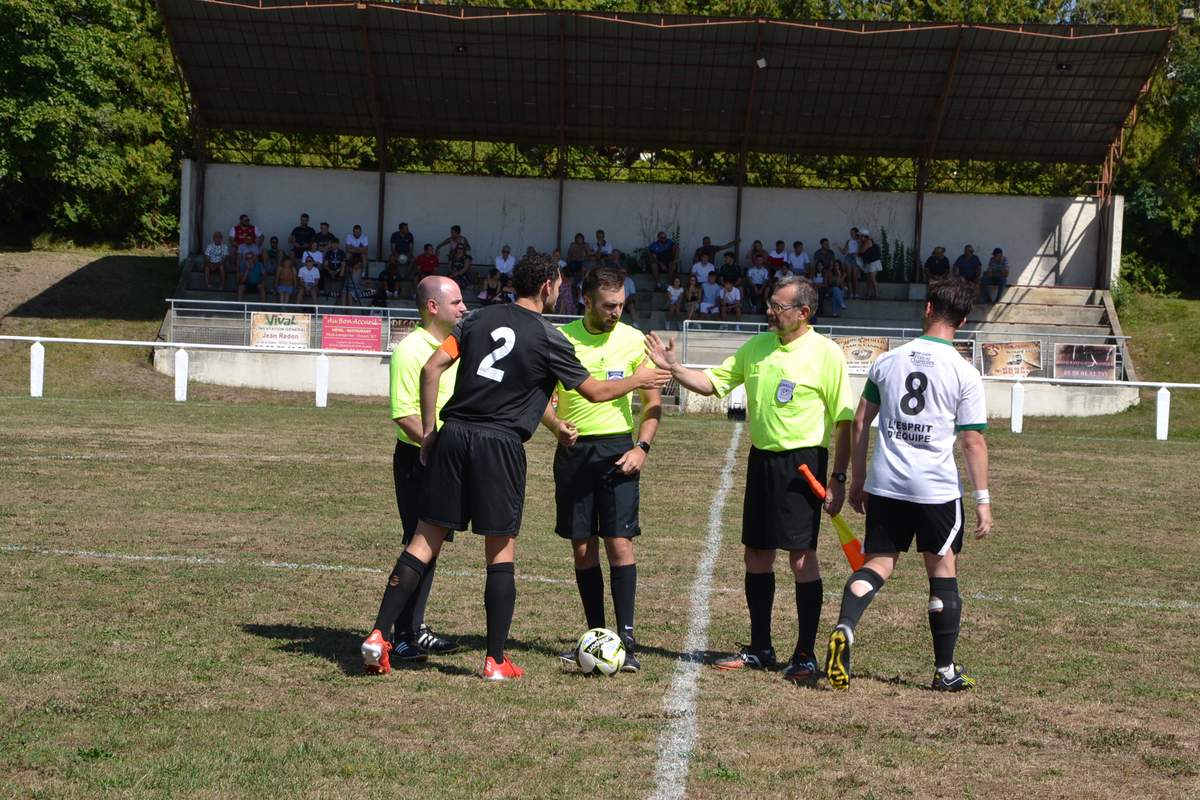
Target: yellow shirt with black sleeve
408 357
795 392
608 356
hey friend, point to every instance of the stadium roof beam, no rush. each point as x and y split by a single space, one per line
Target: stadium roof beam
665 81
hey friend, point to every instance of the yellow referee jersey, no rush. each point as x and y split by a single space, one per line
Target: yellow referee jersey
795 392
405 377
607 357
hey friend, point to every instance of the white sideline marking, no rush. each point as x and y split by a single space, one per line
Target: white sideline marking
676 743
214 561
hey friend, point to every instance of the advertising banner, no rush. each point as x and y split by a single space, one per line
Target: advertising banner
350 332
966 349
1088 361
1013 359
280 331
398 329
861 351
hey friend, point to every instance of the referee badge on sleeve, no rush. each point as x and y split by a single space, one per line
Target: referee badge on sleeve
616 374
785 391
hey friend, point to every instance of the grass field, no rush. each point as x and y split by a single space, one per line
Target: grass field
185 588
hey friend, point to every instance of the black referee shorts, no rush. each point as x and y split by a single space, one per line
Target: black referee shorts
406 474
475 478
892 524
591 495
779 510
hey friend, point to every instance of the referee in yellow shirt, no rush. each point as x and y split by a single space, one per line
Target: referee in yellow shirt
441 305
597 465
798 398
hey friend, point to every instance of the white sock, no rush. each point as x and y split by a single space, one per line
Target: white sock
947 671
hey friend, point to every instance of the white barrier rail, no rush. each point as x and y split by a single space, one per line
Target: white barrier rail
37 366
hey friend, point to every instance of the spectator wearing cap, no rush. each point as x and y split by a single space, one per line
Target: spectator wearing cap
995 275
215 256
506 262
968 267
937 266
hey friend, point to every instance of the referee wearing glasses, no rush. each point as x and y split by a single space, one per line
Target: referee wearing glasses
798 399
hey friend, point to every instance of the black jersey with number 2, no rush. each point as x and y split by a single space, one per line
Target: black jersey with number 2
510 360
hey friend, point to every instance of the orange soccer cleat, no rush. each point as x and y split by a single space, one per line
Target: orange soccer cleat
375 651
503 671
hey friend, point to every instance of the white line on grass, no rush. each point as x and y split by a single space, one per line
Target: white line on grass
676 743
214 561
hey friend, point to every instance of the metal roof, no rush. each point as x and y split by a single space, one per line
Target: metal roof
971 91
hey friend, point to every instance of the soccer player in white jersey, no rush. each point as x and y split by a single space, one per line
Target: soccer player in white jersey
926 396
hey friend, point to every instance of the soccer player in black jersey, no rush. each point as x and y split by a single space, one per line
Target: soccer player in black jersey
509 360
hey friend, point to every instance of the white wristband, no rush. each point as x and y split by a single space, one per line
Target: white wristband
982 497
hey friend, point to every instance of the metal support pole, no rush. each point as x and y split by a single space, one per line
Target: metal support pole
746 128
37 368
181 375
1163 421
1018 408
322 380
919 224
562 125
197 221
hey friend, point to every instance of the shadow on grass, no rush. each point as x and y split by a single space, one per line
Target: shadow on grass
126 287
342 647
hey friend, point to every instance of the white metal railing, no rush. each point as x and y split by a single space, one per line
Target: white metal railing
37 366
977 337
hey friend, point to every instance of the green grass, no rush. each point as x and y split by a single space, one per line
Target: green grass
141 678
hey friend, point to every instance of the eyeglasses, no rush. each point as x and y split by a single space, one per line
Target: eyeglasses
779 308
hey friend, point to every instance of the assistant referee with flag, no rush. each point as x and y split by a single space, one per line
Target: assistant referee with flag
597 465
798 398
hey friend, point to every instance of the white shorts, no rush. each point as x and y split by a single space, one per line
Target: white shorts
709 308
874 266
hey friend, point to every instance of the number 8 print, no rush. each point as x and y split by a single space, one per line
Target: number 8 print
913 402
507 340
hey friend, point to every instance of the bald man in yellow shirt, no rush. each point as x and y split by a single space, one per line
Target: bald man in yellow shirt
797 400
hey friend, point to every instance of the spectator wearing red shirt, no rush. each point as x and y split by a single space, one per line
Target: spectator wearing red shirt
427 264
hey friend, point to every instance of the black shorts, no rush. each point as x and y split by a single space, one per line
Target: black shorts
891 525
779 511
476 478
406 473
591 495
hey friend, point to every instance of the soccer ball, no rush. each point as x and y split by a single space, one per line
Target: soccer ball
600 651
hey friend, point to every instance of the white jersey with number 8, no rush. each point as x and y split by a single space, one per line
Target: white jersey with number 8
926 392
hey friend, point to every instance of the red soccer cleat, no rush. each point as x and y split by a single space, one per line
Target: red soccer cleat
503 671
375 654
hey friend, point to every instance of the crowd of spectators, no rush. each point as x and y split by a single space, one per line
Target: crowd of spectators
720 284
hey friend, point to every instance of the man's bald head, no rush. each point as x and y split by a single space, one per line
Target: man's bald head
440 301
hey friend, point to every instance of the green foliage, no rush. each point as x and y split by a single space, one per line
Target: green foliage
91 121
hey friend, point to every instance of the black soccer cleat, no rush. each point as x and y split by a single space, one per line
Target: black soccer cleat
631 660
433 644
837 658
745 657
957 682
569 659
406 650
801 668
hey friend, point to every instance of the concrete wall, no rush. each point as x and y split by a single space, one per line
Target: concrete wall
1048 240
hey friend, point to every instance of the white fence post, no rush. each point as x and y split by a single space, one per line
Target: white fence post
322 380
1164 414
1018 407
181 375
37 369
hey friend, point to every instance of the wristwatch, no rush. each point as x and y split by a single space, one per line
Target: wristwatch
644 445
840 477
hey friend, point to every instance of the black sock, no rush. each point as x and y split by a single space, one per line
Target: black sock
945 617
499 600
853 606
421 599
809 598
401 585
591 591
760 599
623 584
